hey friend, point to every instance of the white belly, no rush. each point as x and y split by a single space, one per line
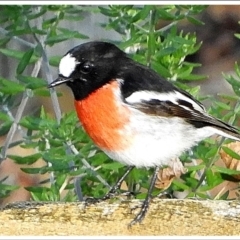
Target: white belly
157 140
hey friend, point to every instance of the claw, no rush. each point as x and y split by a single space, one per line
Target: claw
92 200
141 215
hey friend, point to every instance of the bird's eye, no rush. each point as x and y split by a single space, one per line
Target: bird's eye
86 67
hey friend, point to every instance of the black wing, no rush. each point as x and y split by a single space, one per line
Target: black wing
146 91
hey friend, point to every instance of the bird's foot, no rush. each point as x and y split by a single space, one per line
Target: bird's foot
111 194
141 215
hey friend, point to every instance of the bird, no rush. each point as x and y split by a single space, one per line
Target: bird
132 113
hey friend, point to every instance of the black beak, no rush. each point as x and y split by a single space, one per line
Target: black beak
59 81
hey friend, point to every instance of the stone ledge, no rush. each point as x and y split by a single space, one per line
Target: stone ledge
165 217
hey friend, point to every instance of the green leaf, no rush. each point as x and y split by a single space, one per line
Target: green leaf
237 70
58 161
211 152
19 32
42 92
112 166
225 170
32 170
194 21
194 77
4 116
225 196
179 185
201 195
76 9
237 35
231 153
58 38
35 189
141 14
158 67
4 41
54 60
211 178
38 31
63 37
5 127
108 12
49 22
30 123
30 159
166 51
24 61
77 172
234 83
44 193
228 97
32 82
16 54
71 32
42 11
164 14
10 87
195 168
222 105
98 159
5 189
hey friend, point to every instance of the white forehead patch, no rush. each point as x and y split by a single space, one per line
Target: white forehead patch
67 65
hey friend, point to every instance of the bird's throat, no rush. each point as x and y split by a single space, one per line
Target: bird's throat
104 117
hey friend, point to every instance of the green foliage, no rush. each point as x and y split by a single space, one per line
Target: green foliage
74 166
6 189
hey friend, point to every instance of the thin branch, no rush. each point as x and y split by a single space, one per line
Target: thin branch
14 126
46 70
208 165
166 27
151 36
19 40
25 98
45 64
143 30
78 189
85 163
203 182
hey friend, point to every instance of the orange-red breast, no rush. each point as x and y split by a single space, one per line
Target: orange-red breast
134 115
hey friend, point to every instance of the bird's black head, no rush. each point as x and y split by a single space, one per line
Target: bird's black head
89 66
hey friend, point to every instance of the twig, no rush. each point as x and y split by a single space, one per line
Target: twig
78 189
203 182
24 100
151 36
208 165
14 126
85 163
23 42
166 27
26 95
46 70
40 41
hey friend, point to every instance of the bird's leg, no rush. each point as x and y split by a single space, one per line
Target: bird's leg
113 190
117 186
147 200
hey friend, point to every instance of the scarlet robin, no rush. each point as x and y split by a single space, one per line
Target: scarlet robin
131 113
